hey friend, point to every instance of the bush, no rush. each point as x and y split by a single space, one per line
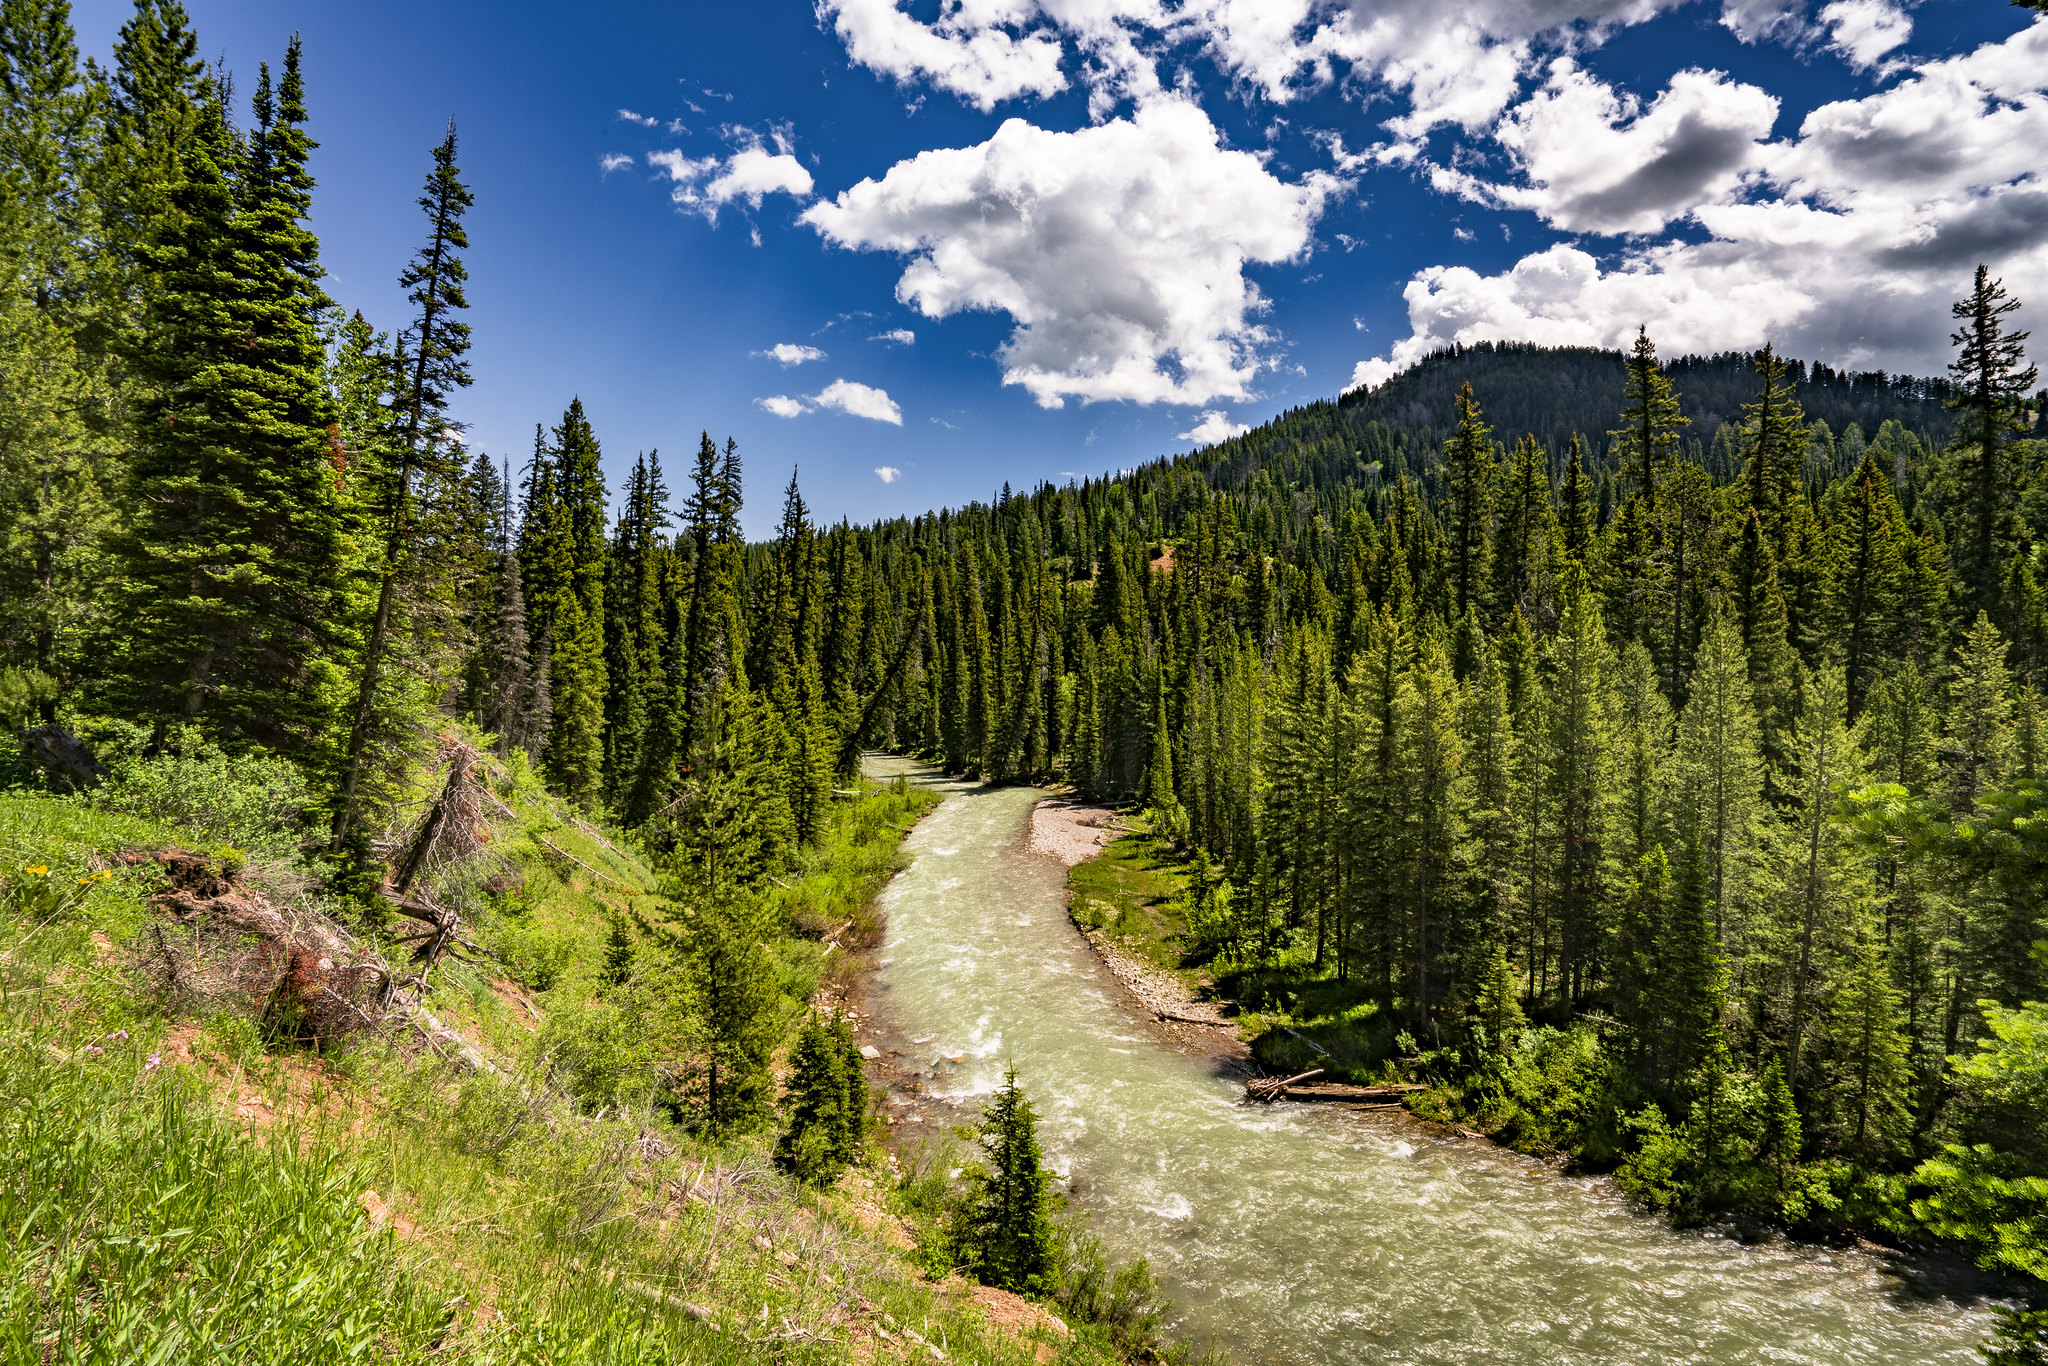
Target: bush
247 802
536 955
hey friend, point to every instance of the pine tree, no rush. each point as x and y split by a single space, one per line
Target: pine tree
1577 665
825 1103
233 537
1578 523
575 573
1828 754
513 714
1468 472
618 952
1978 729
735 985
1776 427
430 364
1008 1234
1690 568
1718 770
156 111
1873 1079
1525 542
1495 1007
1871 534
1647 441
1990 396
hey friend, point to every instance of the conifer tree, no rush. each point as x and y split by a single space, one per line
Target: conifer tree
513 713
1578 523
1577 666
156 110
1468 472
1872 1079
1687 525
1495 1008
1990 395
1828 753
575 575
825 1104
1718 769
1525 537
430 364
1871 532
1776 428
1647 441
1979 729
1008 1234
233 537
737 997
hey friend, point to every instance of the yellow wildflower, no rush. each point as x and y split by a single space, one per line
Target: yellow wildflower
37 869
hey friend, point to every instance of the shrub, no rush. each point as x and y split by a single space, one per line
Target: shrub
537 956
248 801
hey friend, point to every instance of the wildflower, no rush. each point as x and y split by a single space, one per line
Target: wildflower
154 1060
93 1050
118 1034
36 869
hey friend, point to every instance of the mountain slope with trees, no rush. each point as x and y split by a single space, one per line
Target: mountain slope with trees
1649 752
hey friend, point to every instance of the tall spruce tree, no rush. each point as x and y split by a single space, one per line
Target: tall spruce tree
232 535
430 363
1468 474
1989 399
1646 443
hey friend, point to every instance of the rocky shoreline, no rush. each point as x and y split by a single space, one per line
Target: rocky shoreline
1074 833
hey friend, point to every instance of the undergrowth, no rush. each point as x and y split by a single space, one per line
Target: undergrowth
187 1190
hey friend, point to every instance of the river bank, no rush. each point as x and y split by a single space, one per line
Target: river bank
1292 1234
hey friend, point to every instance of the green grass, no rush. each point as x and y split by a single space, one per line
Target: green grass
1128 892
211 1205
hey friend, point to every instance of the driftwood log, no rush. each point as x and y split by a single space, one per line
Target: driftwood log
1305 1087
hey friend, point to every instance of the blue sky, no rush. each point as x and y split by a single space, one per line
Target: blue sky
1031 238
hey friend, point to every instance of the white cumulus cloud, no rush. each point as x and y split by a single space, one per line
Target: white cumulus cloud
970 52
644 120
1457 61
1596 161
1753 21
1454 61
614 161
782 405
901 336
859 400
752 172
1118 250
1215 426
791 353
1863 31
888 474
1857 234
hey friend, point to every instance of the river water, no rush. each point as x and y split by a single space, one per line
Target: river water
1292 1234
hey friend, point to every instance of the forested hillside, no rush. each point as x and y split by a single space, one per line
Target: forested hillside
1654 751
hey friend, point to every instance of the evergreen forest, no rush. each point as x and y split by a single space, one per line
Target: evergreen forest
1650 754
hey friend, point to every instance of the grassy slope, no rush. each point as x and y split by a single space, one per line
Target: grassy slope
172 1186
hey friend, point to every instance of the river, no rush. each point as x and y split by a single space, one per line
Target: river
1292 1234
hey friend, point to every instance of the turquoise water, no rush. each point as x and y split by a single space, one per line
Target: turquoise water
1292 1234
